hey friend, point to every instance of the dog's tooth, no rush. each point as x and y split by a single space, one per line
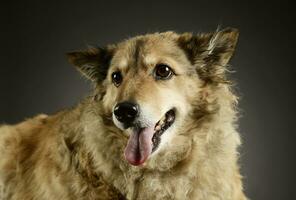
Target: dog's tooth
162 120
170 118
157 128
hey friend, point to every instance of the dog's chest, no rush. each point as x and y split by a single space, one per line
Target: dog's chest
160 187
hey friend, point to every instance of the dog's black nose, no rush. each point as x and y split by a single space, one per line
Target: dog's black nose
126 112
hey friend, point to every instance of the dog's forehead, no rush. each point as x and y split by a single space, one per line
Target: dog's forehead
147 50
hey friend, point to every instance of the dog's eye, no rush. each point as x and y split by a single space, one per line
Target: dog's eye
163 71
116 78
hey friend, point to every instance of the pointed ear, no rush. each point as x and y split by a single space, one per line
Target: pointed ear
93 63
210 52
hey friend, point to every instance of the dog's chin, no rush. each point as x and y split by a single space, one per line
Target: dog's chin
143 141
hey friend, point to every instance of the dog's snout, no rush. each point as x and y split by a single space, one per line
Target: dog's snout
126 112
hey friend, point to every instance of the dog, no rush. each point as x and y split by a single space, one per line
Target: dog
160 124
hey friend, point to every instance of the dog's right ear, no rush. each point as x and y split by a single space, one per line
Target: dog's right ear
93 63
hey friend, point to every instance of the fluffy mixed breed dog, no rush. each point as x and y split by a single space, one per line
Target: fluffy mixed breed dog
160 124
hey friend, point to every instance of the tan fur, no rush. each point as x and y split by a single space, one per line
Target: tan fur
78 153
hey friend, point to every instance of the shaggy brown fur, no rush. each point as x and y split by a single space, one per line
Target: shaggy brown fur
78 153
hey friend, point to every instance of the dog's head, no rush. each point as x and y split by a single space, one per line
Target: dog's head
149 83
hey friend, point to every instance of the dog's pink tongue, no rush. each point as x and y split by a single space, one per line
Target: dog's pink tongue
139 146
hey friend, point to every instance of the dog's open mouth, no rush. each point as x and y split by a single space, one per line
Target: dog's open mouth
144 141
162 125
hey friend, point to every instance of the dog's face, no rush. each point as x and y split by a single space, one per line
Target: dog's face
150 83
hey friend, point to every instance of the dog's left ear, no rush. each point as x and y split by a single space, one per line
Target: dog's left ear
210 52
93 63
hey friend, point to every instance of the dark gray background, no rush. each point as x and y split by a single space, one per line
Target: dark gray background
35 76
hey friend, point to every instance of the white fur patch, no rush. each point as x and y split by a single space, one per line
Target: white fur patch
150 59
